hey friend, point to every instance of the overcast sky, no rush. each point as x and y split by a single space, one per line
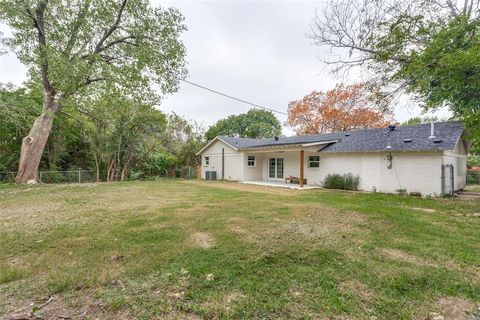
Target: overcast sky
257 51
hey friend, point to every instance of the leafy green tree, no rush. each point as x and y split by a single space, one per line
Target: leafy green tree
183 138
177 150
256 123
421 120
429 49
121 132
71 47
18 108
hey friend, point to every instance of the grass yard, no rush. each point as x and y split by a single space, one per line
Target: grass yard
195 250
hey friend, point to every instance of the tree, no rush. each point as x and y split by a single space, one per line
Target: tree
18 108
429 49
256 123
183 138
70 47
421 120
346 107
121 131
176 154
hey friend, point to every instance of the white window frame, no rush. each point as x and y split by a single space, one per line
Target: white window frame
206 161
313 161
254 161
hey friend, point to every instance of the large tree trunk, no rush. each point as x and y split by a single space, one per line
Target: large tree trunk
32 148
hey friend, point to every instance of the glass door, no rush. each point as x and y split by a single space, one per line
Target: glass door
279 168
275 168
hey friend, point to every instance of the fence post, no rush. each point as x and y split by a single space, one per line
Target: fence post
40 176
79 176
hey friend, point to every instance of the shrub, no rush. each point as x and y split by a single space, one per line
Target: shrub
351 182
343 182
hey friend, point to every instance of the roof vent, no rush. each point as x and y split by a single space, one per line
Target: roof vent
407 140
437 140
391 127
276 138
347 134
432 131
388 147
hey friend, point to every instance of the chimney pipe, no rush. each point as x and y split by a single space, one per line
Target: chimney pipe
432 131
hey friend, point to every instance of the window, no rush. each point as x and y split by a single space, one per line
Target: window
251 161
207 161
313 161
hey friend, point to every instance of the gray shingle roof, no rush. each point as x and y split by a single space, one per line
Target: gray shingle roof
447 134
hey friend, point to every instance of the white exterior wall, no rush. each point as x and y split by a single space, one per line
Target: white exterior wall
458 158
253 173
233 161
414 172
417 172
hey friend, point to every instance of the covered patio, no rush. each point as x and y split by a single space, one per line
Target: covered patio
280 184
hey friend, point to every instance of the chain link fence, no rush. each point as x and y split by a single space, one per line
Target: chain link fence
81 176
69 176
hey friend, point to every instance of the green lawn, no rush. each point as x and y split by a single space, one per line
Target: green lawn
193 250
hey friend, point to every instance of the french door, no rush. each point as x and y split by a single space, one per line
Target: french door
275 168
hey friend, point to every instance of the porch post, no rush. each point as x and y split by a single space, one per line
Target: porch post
302 162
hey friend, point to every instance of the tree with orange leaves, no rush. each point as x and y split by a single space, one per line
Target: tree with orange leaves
346 107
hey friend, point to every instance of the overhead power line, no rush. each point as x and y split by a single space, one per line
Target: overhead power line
233 98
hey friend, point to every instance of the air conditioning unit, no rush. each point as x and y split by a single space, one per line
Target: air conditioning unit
210 175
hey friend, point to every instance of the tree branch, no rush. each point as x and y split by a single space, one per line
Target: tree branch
115 25
39 24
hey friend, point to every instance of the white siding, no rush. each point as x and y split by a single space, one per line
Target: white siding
233 161
459 160
414 172
252 173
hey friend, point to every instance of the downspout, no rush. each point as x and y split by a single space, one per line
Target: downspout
452 178
223 163
443 179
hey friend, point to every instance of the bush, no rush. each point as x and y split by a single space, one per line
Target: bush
473 177
343 182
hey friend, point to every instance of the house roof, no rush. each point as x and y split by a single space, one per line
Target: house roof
403 138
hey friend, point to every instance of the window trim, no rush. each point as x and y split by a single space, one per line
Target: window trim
254 162
309 162
206 161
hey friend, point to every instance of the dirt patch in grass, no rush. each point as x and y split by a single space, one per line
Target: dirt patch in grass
224 303
453 308
422 209
396 254
358 289
317 221
468 214
56 307
202 240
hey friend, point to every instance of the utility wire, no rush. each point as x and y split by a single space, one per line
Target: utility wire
231 97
